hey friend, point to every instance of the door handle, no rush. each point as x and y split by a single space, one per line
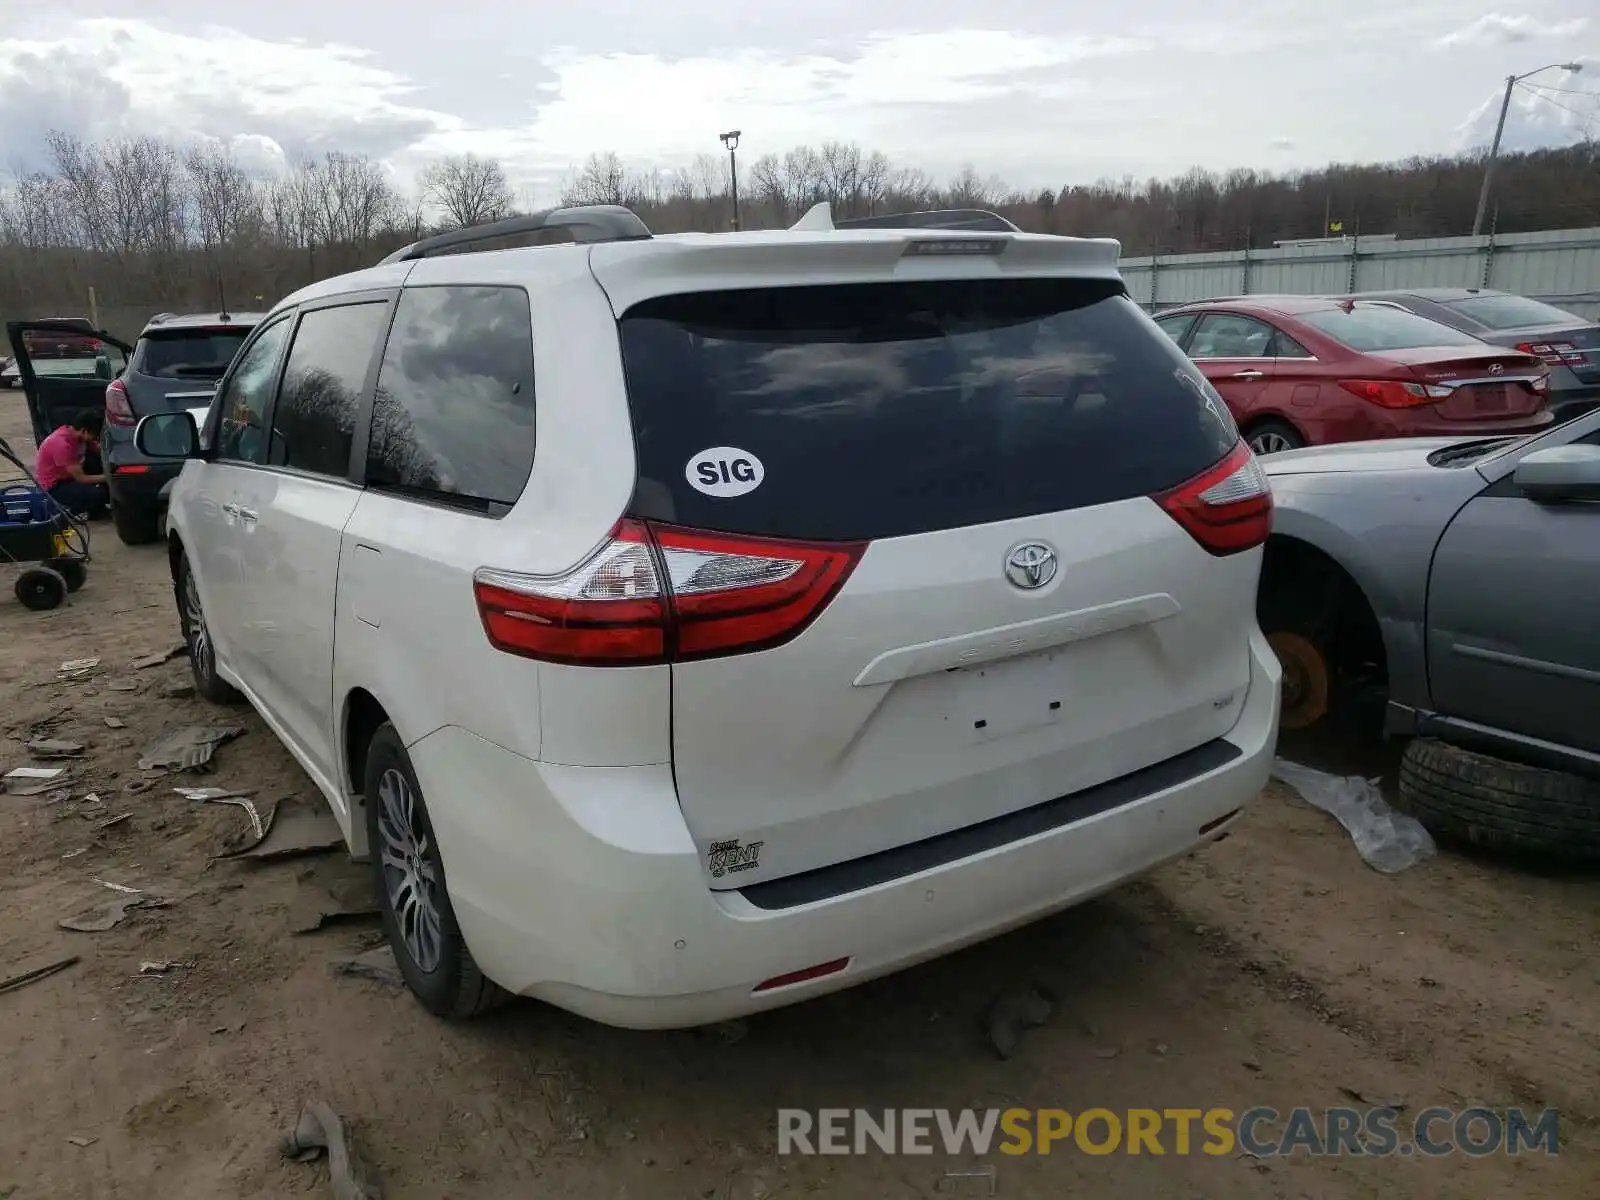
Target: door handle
249 516
1248 375
230 510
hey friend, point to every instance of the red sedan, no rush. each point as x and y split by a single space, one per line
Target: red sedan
1306 371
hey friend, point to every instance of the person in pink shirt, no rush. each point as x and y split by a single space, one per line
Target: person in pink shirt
58 466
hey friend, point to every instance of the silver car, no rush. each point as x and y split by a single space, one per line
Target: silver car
1461 577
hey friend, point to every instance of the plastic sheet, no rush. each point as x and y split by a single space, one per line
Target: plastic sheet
1387 840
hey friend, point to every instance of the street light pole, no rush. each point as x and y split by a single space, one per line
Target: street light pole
731 141
1500 128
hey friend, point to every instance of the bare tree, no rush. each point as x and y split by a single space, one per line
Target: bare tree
229 209
602 180
470 190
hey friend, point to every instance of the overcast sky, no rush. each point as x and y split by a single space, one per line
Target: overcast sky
1037 92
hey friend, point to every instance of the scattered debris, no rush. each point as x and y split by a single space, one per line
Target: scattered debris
119 887
77 668
59 796
92 798
188 747
317 908
1428 982
1360 1097
116 820
31 781
376 964
134 786
1012 1014
161 968
115 723
733 1032
1107 1052
14 982
123 685
82 1141
158 657
239 798
178 691
75 853
48 748
1252 1064
1387 840
293 828
106 916
319 1129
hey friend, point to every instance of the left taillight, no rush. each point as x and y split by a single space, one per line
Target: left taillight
1556 354
1226 508
662 593
119 411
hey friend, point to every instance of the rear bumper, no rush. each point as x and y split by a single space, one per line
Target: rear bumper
136 483
581 886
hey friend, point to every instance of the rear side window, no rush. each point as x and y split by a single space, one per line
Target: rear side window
314 420
453 417
188 353
1510 312
1372 329
883 410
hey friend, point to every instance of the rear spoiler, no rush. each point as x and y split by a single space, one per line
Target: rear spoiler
819 219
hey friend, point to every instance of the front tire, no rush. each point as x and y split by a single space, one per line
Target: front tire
197 640
135 528
412 897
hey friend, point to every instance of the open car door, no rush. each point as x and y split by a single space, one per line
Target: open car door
60 386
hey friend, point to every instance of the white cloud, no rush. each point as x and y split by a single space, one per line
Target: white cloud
1282 143
1493 29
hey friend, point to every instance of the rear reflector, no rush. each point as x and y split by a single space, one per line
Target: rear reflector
660 593
805 976
1226 508
131 469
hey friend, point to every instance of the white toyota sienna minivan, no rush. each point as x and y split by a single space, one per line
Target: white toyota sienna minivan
690 625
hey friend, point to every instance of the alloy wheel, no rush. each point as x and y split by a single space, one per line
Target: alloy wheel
200 652
1270 441
409 875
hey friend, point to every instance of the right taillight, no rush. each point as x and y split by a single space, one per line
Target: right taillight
1226 508
1396 393
118 410
660 593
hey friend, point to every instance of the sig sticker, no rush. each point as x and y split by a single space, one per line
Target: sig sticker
725 472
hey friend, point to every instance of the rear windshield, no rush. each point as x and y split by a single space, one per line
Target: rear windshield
188 353
1373 329
1510 312
882 410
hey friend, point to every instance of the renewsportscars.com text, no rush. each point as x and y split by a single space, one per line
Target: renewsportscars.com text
1261 1131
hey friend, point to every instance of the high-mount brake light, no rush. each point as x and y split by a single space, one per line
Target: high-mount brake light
661 593
955 247
1227 507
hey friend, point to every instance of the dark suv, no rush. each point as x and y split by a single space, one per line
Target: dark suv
175 365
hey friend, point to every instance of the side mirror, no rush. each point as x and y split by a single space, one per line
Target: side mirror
167 435
1560 474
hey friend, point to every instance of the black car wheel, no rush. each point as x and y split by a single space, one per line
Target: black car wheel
412 898
135 527
197 640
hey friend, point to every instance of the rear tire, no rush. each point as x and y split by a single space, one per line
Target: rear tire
71 570
135 528
197 639
1274 437
1499 805
412 895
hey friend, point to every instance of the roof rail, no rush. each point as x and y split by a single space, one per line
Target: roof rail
586 223
977 219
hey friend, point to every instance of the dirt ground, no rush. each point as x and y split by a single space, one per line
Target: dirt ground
1274 968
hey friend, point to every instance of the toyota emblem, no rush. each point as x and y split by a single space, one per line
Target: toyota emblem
1031 565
